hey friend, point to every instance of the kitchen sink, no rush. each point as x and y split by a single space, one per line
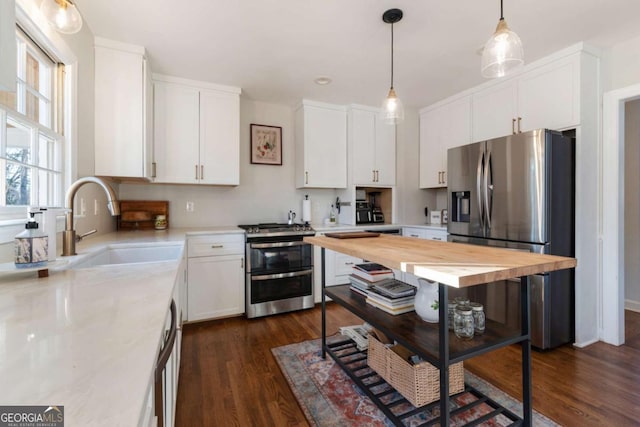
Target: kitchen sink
118 254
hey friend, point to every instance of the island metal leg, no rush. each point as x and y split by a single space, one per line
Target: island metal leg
324 314
443 337
527 407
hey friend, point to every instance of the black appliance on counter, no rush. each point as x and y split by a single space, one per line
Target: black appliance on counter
279 268
363 212
376 212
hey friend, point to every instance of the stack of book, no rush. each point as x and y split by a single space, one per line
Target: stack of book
393 297
365 276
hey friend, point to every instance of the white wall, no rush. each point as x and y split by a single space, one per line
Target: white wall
632 205
621 65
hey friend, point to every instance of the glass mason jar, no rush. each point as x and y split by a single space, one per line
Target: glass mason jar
463 322
451 308
477 311
461 300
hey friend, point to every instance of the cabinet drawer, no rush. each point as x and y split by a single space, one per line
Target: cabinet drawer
345 263
219 244
413 232
436 235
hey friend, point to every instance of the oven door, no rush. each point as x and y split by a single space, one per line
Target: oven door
277 293
278 257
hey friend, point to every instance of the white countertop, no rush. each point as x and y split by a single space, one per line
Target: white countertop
88 339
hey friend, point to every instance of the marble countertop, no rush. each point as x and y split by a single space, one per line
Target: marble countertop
88 339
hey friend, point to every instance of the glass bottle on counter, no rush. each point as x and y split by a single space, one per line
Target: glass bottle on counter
463 322
479 320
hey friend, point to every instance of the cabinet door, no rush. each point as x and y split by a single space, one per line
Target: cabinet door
219 138
385 165
176 133
8 72
362 128
431 162
325 147
120 121
215 287
549 97
494 110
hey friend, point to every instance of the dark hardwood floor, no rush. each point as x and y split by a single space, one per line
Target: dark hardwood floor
229 377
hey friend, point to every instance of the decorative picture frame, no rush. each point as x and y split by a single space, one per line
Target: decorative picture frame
266 145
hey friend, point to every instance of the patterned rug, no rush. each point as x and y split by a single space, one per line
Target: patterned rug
328 397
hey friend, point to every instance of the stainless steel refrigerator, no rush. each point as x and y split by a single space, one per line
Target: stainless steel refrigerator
517 192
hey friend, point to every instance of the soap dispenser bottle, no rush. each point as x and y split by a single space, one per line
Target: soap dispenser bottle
32 245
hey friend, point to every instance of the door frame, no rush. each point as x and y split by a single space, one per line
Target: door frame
612 208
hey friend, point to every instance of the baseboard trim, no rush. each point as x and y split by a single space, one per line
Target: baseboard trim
632 305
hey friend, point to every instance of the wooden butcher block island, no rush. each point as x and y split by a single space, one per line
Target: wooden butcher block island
452 265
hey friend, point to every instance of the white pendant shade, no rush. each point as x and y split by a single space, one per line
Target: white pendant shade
502 53
392 111
62 15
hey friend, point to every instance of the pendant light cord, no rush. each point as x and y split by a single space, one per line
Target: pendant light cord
501 11
392 55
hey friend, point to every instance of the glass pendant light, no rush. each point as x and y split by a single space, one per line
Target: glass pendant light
503 51
63 15
392 111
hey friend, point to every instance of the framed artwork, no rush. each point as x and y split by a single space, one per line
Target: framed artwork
266 145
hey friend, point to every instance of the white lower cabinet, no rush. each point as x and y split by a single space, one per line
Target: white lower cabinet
215 285
338 267
434 233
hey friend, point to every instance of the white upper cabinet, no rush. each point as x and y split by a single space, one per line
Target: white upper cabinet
123 111
443 126
196 132
8 45
372 148
321 145
547 96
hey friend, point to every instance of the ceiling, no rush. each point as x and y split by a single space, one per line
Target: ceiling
274 49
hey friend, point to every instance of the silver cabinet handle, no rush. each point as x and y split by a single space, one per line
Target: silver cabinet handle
153 169
519 120
513 126
349 263
444 177
306 177
373 174
436 238
217 246
201 172
241 263
377 176
196 172
413 235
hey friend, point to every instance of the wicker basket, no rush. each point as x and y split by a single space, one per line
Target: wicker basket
419 384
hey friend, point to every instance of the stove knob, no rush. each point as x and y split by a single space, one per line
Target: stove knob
296 228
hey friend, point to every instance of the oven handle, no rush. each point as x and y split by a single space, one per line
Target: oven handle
276 245
282 275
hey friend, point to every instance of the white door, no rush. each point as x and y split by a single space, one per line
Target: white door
494 111
549 97
362 128
176 133
219 138
325 145
385 165
215 287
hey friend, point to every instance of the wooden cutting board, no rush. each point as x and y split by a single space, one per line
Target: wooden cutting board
141 214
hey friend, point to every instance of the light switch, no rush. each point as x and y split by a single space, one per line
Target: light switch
191 206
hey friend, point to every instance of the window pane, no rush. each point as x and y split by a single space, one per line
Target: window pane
49 188
18 142
18 185
32 107
45 152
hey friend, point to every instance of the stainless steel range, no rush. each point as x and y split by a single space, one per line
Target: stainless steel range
279 269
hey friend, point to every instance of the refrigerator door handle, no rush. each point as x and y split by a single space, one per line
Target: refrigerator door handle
488 188
479 176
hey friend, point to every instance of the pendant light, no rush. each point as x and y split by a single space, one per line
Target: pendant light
392 109
503 51
63 15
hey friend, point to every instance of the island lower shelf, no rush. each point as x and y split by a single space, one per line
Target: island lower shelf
471 406
421 337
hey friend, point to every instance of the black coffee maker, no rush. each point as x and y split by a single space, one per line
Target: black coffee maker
376 212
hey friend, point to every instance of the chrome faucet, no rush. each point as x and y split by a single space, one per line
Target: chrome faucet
69 236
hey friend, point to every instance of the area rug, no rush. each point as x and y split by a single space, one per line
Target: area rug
328 397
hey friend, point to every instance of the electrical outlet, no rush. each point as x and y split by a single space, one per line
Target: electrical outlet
191 206
83 206
96 207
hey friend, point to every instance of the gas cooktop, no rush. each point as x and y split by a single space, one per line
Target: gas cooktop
275 229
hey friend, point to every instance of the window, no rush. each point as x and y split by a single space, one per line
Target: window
31 140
